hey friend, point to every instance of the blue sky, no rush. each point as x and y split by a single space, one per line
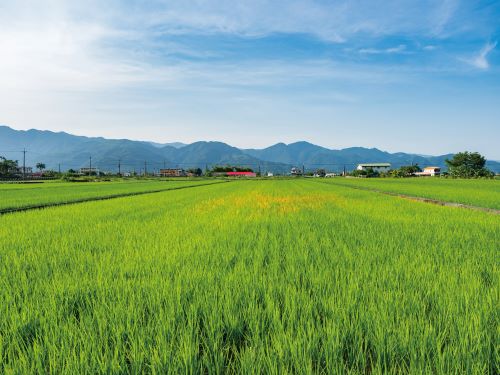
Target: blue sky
415 76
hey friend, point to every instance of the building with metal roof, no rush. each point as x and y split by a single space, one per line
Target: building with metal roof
379 167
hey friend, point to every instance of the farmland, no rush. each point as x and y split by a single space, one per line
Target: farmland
481 193
15 196
290 276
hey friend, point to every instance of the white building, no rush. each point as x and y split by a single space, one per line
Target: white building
377 167
429 171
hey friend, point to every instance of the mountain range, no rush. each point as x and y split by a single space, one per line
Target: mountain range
59 149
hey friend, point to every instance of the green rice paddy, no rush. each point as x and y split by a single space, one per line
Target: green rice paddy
481 193
289 276
14 196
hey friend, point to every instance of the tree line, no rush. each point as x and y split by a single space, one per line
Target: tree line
462 165
10 168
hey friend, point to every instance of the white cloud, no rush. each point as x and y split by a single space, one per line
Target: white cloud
73 45
332 21
62 60
374 51
481 61
442 15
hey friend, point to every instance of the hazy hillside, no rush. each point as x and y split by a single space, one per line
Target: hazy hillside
312 156
72 151
173 144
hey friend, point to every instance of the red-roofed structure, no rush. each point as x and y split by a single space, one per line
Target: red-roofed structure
241 174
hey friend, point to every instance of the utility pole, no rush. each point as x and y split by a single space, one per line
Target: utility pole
164 164
303 170
90 165
59 168
24 163
344 171
145 168
119 167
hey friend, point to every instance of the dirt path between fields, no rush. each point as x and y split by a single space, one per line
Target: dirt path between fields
103 198
421 199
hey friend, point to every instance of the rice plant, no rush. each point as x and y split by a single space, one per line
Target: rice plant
14 196
284 276
481 193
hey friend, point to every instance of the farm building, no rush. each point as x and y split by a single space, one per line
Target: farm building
378 167
87 170
19 170
241 174
429 171
173 172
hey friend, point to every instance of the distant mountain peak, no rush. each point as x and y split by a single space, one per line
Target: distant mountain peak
71 151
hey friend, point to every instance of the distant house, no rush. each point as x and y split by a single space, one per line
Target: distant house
270 174
173 172
331 175
241 174
429 171
377 167
19 170
87 170
296 171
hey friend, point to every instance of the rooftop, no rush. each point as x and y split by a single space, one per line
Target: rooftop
240 173
375 164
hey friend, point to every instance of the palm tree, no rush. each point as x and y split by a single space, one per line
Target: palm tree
40 166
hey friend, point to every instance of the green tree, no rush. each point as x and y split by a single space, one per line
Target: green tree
321 172
7 166
405 171
369 172
220 169
468 165
40 166
196 171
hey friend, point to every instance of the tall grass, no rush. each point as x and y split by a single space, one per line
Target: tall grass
252 277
